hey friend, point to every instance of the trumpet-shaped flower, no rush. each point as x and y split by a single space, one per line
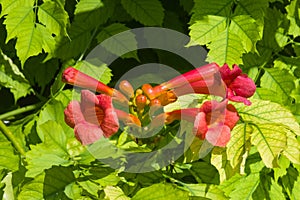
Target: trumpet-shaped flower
239 85
94 117
213 121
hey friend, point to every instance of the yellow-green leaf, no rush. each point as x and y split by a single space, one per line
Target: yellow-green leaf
270 140
239 144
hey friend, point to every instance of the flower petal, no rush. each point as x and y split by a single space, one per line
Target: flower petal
200 125
231 117
218 135
87 133
229 75
110 123
73 114
243 86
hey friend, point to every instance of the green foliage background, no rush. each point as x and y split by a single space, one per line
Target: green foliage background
41 159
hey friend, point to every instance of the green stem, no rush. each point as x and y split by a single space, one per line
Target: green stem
19 111
12 138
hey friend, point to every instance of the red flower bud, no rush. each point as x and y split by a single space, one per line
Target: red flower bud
140 101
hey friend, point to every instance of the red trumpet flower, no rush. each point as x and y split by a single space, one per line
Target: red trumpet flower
213 121
239 85
95 117
75 77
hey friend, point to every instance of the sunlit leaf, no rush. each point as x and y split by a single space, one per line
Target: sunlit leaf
269 143
8 160
261 112
226 48
149 13
116 193
205 30
292 152
205 191
159 191
87 5
239 144
293 15
279 81
246 187
54 17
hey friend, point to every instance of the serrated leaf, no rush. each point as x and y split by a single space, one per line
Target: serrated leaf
226 48
205 191
52 151
261 112
95 69
289 181
118 44
293 15
54 17
247 29
204 30
49 185
8 160
11 77
214 7
267 94
204 171
246 187
276 191
115 193
229 185
8 6
90 187
21 24
279 81
160 191
292 152
253 8
222 164
149 13
87 5
73 191
269 143
239 144
296 190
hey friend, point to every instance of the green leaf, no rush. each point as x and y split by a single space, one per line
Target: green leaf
226 48
247 29
229 185
160 191
220 161
8 160
246 187
149 13
95 69
292 152
205 191
115 193
279 81
239 144
21 24
54 17
267 94
52 152
269 143
87 5
73 191
276 191
293 15
118 44
205 172
11 77
265 112
289 181
296 190
204 30
8 6
214 7
90 187
48 185
253 8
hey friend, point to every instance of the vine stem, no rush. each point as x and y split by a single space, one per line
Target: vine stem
19 111
12 138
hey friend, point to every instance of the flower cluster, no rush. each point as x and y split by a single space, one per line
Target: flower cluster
94 116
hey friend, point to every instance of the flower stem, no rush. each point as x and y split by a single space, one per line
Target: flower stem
12 138
19 111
